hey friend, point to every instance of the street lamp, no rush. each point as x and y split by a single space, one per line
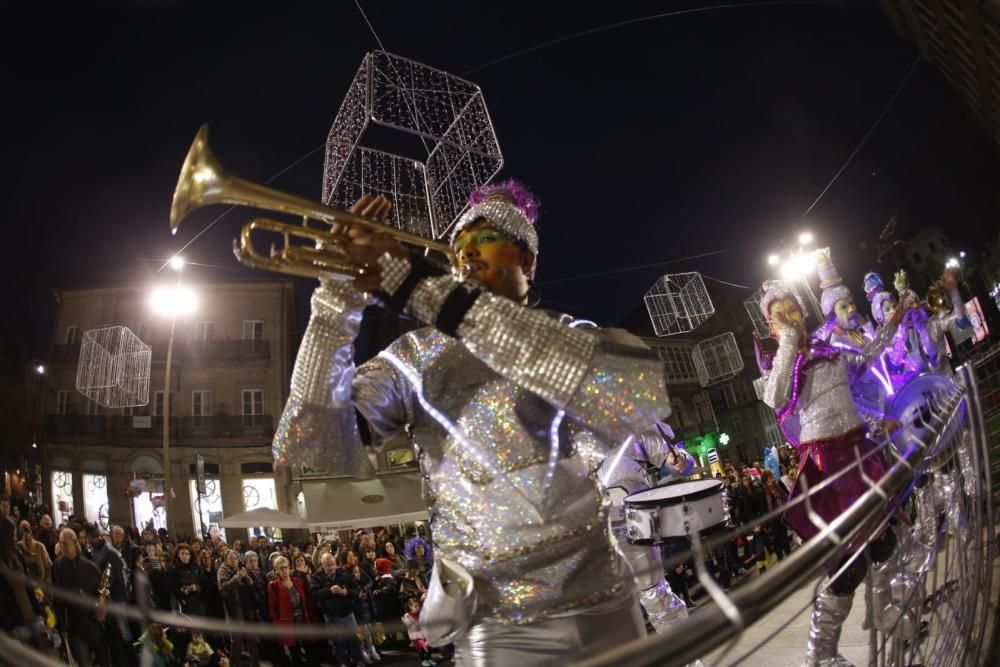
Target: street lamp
796 267
952 263
40 369
172 302
724 438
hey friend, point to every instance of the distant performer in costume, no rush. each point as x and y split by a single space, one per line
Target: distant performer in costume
809 384
635 468
510 410
850 331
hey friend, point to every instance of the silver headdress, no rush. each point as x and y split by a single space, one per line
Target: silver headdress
510 208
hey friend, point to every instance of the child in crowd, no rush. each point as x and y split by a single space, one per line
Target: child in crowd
199 652
411 619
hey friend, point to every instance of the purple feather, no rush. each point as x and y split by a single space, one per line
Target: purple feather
521 196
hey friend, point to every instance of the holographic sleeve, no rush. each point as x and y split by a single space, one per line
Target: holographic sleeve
778 384
860 361
611 389
384 398
318 427
938 326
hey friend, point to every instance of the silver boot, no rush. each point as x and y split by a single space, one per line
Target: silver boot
825 624
895 596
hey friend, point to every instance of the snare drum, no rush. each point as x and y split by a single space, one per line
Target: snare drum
676 510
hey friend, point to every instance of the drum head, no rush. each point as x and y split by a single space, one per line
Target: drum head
674 494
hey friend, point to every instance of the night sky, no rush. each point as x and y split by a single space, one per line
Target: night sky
647 142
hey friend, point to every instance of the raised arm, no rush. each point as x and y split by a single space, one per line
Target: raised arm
777 386
610 388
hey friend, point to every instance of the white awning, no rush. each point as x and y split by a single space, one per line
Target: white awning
349 504
263 516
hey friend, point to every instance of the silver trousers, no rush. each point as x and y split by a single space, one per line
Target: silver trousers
555 640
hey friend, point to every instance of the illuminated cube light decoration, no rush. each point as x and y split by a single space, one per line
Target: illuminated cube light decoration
677 303
449 117
752 306
717 359
113 370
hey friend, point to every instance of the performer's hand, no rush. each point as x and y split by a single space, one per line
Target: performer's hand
782 323
901 310
362 245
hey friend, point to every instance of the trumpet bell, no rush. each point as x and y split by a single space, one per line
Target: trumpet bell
203 182
199 180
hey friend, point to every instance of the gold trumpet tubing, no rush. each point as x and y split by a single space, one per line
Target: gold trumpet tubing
281 260
203 182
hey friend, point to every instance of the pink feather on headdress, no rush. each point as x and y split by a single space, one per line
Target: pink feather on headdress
512 190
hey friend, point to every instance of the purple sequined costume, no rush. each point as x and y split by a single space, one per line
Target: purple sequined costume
812 389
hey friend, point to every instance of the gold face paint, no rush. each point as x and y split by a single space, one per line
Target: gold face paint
786 309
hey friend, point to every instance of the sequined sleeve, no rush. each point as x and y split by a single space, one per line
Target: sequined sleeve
611 388
938 326
318 426
873 350
778 384
384 398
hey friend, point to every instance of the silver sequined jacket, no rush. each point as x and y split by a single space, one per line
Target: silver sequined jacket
825 405
510 421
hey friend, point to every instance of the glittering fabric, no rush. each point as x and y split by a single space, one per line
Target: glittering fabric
559 640
504 217
549 359
394 272
534 538
822 459
319 409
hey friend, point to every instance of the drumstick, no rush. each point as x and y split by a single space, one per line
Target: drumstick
670 445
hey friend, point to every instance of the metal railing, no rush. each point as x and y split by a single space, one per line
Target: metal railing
961 602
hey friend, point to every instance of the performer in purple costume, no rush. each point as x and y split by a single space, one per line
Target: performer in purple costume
809 383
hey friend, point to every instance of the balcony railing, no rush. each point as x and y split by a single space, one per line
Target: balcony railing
120 428
186 351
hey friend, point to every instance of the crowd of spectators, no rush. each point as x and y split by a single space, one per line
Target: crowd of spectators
370 587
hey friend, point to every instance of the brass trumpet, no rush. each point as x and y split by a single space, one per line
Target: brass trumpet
203 182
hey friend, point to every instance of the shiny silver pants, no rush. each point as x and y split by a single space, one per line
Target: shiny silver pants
552 641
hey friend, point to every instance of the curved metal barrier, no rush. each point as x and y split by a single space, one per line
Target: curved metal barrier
954 597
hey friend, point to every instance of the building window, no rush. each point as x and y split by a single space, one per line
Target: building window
703 404
95 499
260 492
677 412
201 405
203 330
128 411
62 402
62 495
92 407
206 509
158 404
253 407
916 257
72 334
253 329
932 247
737 423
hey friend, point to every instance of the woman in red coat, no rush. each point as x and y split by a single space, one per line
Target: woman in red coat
289 602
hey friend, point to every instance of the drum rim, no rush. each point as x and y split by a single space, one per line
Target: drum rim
707 492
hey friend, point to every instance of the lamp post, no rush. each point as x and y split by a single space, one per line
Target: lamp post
171 301
796 267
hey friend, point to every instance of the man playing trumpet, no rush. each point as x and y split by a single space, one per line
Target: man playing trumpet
510 411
